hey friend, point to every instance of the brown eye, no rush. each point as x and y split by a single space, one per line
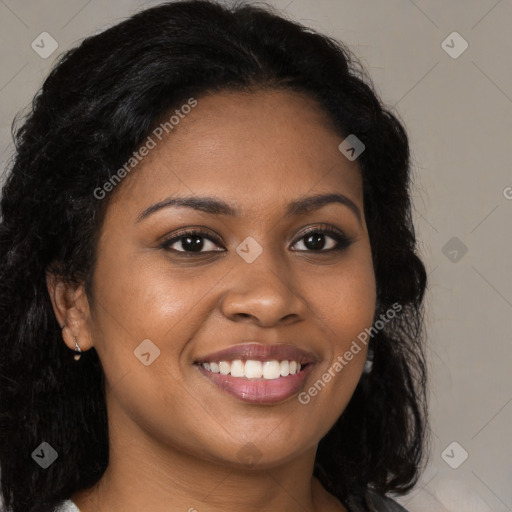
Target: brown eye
192 241
317 240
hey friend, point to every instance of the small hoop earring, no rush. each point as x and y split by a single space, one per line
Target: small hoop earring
78 350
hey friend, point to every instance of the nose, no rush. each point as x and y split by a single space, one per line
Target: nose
263 293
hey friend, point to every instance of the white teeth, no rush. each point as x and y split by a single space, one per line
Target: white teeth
237 368
271 370
224 367
252 369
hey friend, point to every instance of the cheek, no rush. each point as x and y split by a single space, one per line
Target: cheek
346 307
141 301
345 300
143 296
354 310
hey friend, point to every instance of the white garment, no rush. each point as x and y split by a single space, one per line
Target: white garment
67 506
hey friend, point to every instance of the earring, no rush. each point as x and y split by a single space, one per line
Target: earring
368 365
78 350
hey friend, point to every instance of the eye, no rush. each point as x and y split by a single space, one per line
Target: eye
191 241
316 240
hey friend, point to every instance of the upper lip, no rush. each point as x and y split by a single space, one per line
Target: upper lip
260 352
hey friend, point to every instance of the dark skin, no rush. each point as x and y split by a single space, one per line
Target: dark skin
175 438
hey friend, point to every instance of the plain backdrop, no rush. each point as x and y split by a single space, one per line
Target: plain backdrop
445 69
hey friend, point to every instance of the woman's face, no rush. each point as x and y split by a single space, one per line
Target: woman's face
254 284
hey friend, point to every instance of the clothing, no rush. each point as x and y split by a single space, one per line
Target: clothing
381 503
67 506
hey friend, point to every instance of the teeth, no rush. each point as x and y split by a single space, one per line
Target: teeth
237 368
271 370
252 369
224 367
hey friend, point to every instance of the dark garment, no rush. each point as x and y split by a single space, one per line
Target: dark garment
376 503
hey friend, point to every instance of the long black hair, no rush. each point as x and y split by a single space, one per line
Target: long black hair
98 104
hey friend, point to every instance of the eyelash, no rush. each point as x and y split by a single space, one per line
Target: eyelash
342 241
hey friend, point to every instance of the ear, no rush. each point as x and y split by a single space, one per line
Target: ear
71 309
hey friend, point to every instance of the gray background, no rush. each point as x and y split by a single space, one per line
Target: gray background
458 113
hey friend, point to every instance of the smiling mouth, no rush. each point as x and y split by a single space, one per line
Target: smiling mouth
252 369
256 373
265 384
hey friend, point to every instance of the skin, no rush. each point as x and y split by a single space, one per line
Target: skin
175 438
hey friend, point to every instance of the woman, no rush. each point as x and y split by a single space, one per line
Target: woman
211 298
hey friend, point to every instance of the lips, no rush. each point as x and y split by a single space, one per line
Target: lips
225 370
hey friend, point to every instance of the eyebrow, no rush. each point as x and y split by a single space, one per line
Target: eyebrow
216 206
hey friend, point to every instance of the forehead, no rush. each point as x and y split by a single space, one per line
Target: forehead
257 148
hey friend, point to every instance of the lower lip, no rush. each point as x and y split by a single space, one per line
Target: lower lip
259 391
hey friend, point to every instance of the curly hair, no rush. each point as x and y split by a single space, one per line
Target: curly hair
98 104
